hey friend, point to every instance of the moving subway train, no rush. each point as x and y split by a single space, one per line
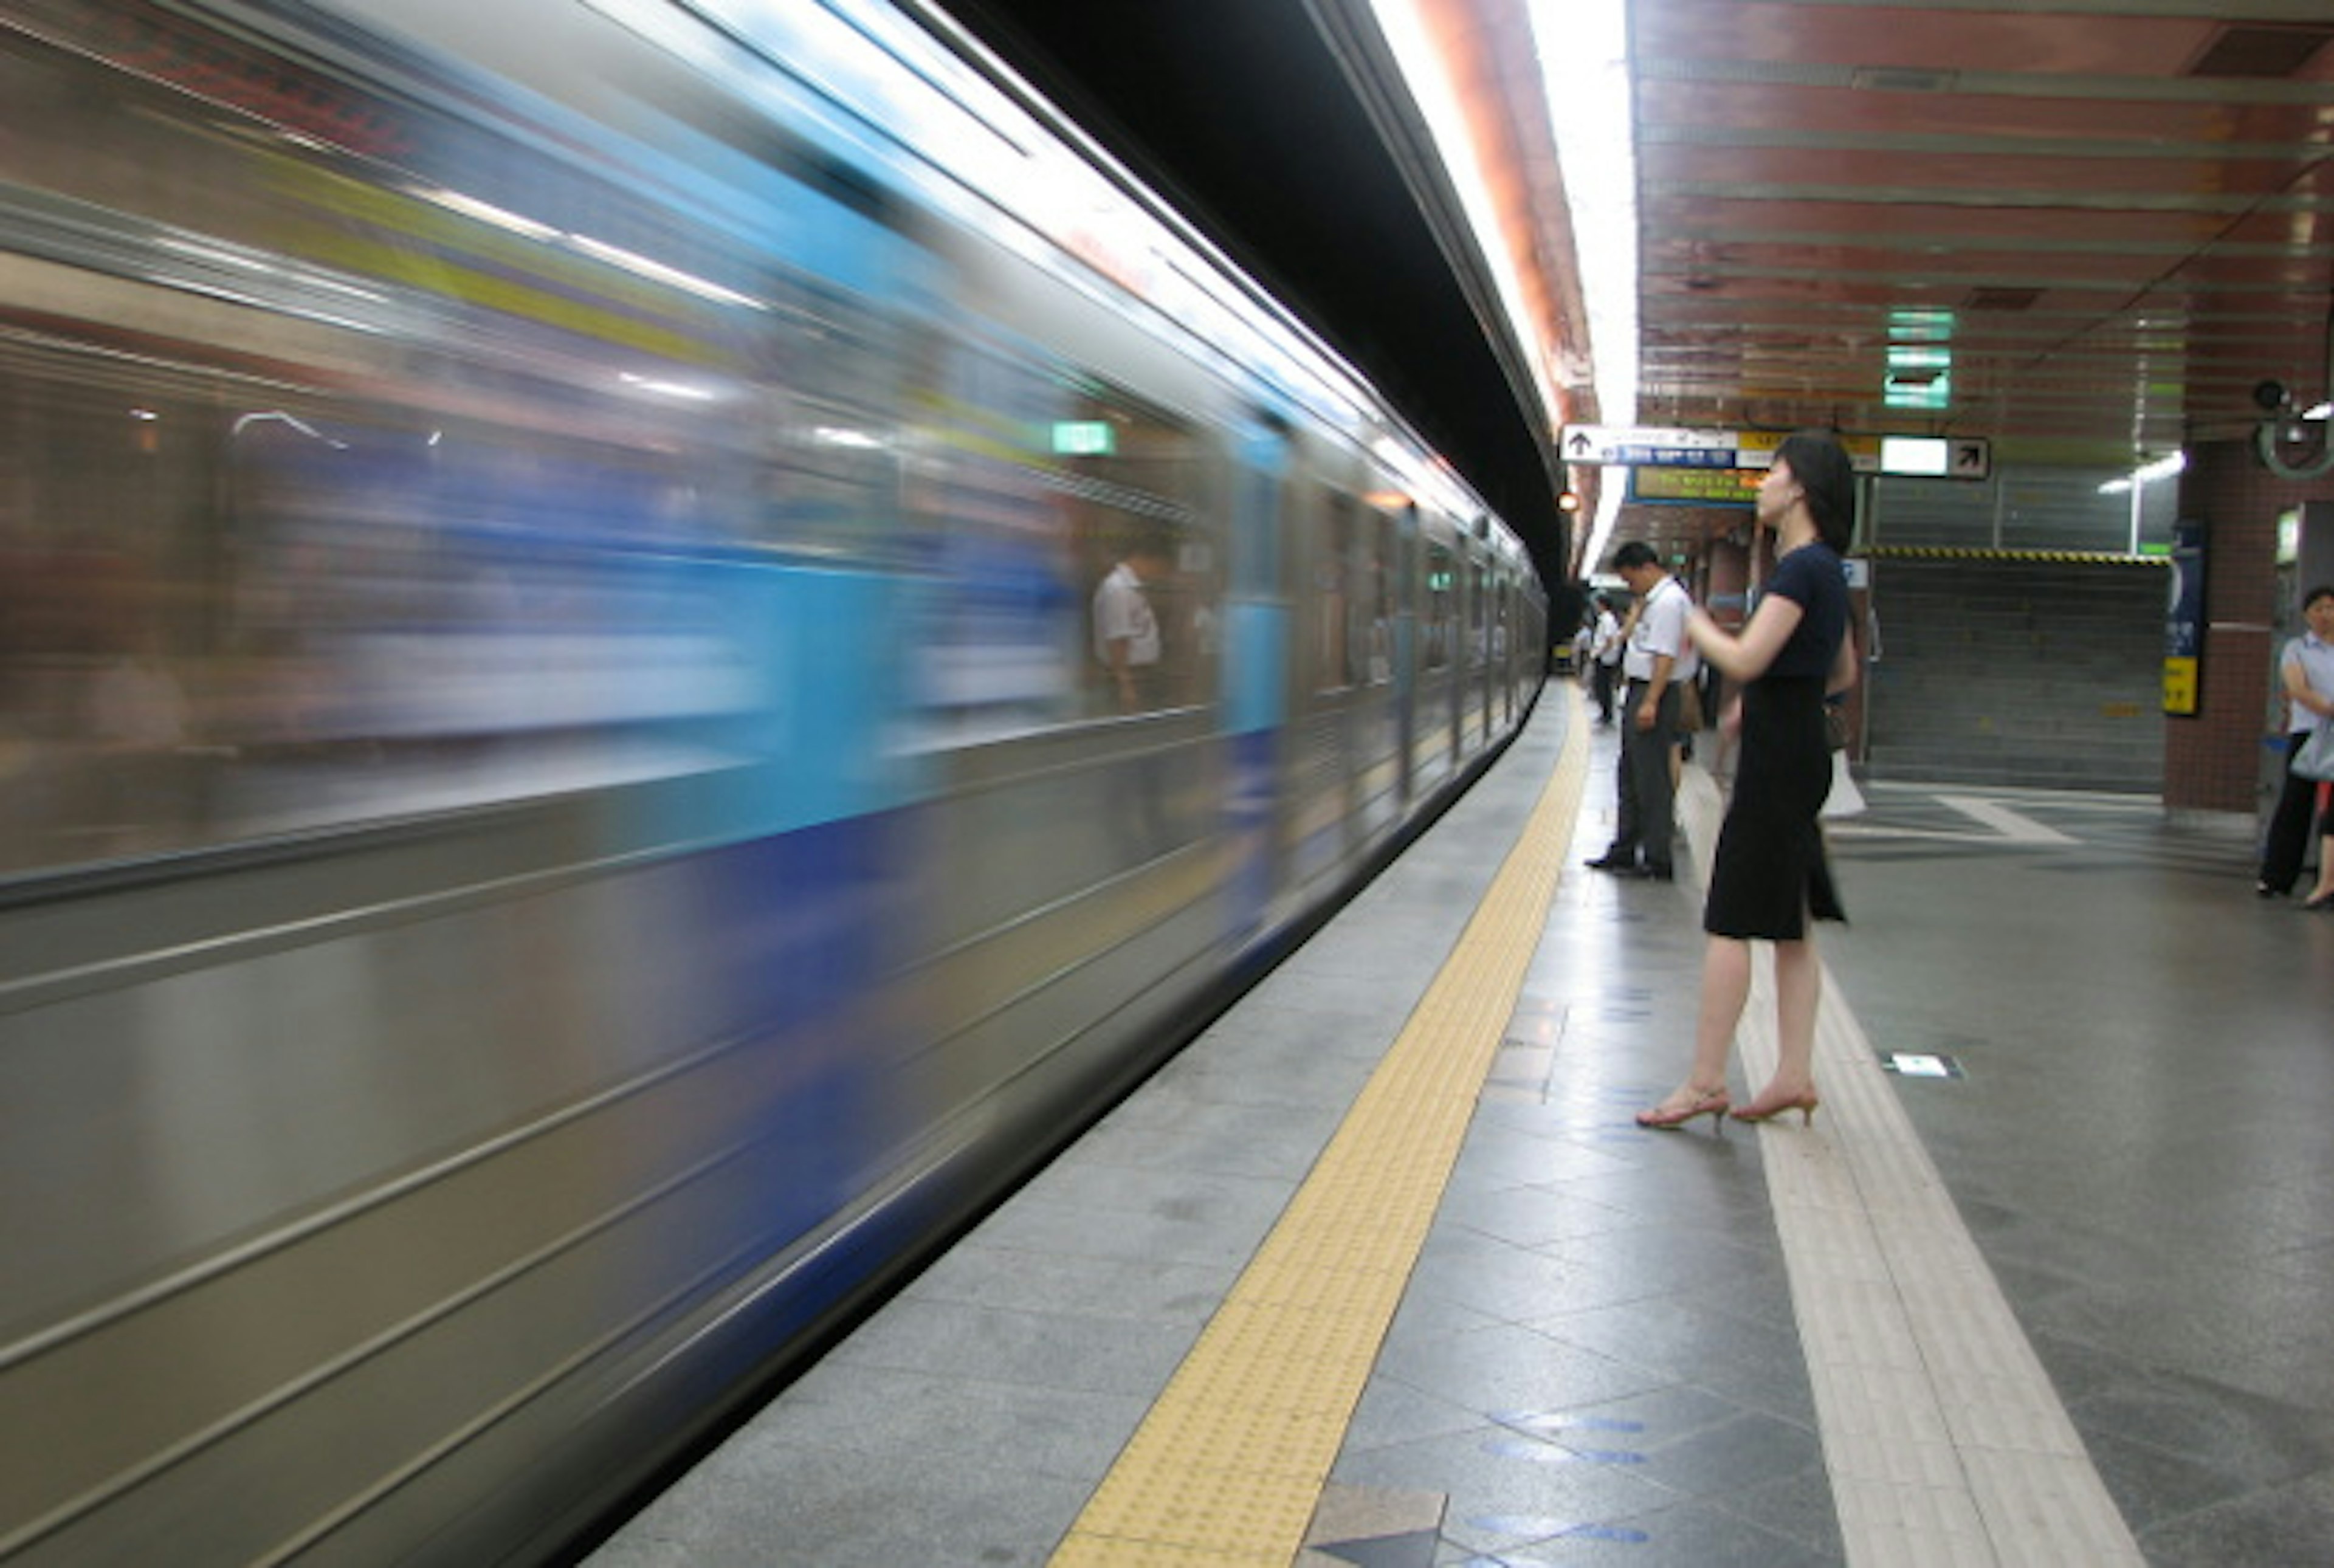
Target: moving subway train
564 805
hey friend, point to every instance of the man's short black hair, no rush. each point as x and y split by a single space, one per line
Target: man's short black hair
1636 553
2324 591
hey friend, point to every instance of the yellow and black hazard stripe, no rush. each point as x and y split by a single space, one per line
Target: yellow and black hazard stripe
2030 557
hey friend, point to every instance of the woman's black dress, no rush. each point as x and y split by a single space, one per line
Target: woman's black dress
1770 871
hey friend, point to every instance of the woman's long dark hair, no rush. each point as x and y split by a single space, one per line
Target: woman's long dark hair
1820 465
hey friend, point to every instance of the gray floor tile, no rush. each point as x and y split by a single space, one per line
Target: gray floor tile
1799 1509
1392 1413
897 1417
978 1273
1684 1533
1509 1367
1016 1350
1496 1478
2282 1528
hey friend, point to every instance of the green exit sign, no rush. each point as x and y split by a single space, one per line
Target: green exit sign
1083 439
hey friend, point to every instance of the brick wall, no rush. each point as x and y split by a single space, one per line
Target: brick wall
2213 761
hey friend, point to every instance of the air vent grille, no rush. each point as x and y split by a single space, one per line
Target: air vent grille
1902 79
2259 51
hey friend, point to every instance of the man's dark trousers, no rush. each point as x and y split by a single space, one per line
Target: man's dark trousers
1647 822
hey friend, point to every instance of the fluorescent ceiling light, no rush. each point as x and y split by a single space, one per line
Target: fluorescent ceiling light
1584 56
1425 74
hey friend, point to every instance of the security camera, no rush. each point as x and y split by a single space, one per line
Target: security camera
2271 395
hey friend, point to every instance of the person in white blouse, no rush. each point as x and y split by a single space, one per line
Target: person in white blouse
2306 674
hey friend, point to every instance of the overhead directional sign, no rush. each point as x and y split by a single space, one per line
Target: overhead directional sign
1657 446
1648 445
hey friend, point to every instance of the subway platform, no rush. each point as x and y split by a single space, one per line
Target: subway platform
1381 1272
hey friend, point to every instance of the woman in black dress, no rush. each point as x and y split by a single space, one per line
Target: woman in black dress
1768 875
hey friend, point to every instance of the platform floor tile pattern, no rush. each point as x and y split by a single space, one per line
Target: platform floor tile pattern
1597 1359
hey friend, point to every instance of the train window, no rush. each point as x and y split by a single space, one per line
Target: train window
230 611
1479 616
1132 493
1336 651
1353 597
1071 575
1003 616
830 394
1437 610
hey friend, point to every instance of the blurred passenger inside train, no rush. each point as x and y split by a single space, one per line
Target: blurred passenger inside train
1768 876
1126 638
2306 675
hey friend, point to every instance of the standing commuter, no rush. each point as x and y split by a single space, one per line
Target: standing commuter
1768 875
2306 672
1655 664
1604 659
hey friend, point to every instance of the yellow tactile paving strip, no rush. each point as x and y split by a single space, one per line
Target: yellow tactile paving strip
1946 1441
1227 1467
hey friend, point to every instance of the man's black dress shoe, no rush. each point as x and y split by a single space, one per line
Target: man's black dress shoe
1609 861
1656 872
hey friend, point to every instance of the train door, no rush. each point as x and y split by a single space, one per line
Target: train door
1467 661
1403 566
1503 678
1481 624
1255 675
1379 774
1326 789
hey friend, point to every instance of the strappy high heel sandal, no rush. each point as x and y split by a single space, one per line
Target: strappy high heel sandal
1671 1115
1768 1109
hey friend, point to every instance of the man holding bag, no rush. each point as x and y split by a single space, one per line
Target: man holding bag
1656 664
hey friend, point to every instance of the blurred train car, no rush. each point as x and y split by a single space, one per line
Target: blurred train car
560 818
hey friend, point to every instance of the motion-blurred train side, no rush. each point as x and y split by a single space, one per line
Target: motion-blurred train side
559 814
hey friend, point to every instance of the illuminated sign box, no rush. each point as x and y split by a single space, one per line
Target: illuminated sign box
1084 438
1695 486
1926 456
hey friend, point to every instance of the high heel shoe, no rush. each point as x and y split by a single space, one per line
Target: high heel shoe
1768 1109
1672 1115
2319 901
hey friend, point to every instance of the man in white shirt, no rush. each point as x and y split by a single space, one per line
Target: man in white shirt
1656 664
1125 632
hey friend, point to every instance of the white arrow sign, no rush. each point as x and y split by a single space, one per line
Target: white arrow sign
1626 443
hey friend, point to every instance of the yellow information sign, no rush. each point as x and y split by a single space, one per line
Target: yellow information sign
1756 449
2180 687
1695 486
